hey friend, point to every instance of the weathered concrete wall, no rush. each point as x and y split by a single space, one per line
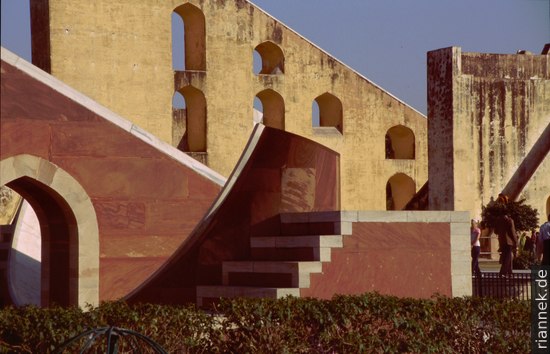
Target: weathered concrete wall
486 112
119 53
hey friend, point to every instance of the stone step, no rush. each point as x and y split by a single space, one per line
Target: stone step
294 248
315 223
208 294
280 274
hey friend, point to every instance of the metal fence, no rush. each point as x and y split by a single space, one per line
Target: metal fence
491 284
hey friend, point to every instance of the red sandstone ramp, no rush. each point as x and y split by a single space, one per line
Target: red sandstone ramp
278 173
114 202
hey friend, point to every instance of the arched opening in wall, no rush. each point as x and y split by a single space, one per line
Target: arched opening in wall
194 37
330 112
400 188
268 59
178 42
69 233
194 137
400 142
59 237
547 207
20 251
273 108
179 118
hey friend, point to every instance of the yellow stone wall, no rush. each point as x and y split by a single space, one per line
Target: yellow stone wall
486 112
119 53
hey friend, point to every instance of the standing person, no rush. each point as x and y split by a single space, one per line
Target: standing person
529 245
538 247
544 236
475 233
507 241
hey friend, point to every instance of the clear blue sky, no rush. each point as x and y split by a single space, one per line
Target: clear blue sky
384 40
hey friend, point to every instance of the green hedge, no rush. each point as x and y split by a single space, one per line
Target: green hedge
345 324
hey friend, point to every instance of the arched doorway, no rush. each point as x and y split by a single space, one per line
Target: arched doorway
327 111
194 33
194 137
68 227
271 57
399 191
272 109
400 143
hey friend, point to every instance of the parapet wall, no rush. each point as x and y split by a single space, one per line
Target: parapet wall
505 66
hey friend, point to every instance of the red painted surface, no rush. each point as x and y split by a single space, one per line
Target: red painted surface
401 259
252 207
146 203
154 244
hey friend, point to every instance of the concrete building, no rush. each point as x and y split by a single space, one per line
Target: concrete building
120 54
343 152
125 215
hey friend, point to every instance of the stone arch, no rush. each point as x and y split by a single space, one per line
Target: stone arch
194 138
330 112
194 25
66 213
400 188
400 143
273 105
272 59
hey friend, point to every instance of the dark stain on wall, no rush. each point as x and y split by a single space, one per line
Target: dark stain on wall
335 77
240 4
481 151
277 34
523 116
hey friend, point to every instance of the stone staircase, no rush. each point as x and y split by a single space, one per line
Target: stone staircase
281 265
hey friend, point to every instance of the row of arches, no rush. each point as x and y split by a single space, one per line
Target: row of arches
190 115
189 104
189 29
269 109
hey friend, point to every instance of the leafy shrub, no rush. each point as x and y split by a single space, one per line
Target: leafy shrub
345 324
525 217
524 260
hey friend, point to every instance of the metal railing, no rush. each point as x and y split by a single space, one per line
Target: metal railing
110 340
492 284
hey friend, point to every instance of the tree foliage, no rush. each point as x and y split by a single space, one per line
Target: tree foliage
524 216
368 323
